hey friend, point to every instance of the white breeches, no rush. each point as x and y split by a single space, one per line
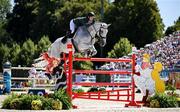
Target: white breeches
72 26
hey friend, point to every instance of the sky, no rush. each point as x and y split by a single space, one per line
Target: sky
169 11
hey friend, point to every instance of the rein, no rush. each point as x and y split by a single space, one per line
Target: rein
96 32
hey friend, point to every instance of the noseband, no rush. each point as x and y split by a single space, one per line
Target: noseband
98 32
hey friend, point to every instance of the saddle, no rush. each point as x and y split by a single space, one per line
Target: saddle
70 35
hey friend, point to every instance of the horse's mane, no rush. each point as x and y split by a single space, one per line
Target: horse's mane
96 23
101 23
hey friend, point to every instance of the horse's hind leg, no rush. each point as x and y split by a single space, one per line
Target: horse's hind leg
60 73
61 80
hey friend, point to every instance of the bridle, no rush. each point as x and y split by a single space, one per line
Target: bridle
99 31
96 33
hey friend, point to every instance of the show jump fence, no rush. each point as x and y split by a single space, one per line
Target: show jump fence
113 95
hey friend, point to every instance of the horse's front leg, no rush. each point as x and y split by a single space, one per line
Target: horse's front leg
93 51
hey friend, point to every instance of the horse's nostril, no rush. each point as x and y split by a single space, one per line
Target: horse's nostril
102 43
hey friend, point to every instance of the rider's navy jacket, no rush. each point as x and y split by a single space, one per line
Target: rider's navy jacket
80 21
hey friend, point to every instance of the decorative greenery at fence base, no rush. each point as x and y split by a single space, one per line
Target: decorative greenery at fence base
56 101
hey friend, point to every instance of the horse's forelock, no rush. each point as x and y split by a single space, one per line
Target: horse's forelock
104 24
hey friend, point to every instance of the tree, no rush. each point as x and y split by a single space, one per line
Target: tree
4 36
174 27
170 30
82 65
45 20
43 45
122 48
177 24
4 54
5 7
138 20
35 18
15 54
27 53
4 10
21 18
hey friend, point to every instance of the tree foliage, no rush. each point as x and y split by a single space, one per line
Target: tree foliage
23 54
174 27
35 18
14 54
82 65
4 10
121 48
138 20
177 24
4 36
45 21
43 45
5 7
20 20
4 54
27 52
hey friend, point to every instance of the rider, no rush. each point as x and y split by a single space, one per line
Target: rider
77 22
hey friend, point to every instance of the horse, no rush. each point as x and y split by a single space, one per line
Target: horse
83 42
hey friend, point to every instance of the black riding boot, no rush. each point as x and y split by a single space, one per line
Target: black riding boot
64 40
68 35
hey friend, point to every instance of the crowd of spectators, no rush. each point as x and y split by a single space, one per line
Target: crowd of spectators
166 50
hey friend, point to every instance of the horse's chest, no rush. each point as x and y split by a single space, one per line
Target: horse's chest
85 39
90 29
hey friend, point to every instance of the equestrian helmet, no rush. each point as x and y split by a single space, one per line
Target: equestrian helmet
90 14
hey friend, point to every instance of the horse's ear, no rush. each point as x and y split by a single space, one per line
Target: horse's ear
108 25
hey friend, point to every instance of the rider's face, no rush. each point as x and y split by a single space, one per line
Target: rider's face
91 18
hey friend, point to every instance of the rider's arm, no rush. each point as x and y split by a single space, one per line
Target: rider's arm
80 21
89 24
